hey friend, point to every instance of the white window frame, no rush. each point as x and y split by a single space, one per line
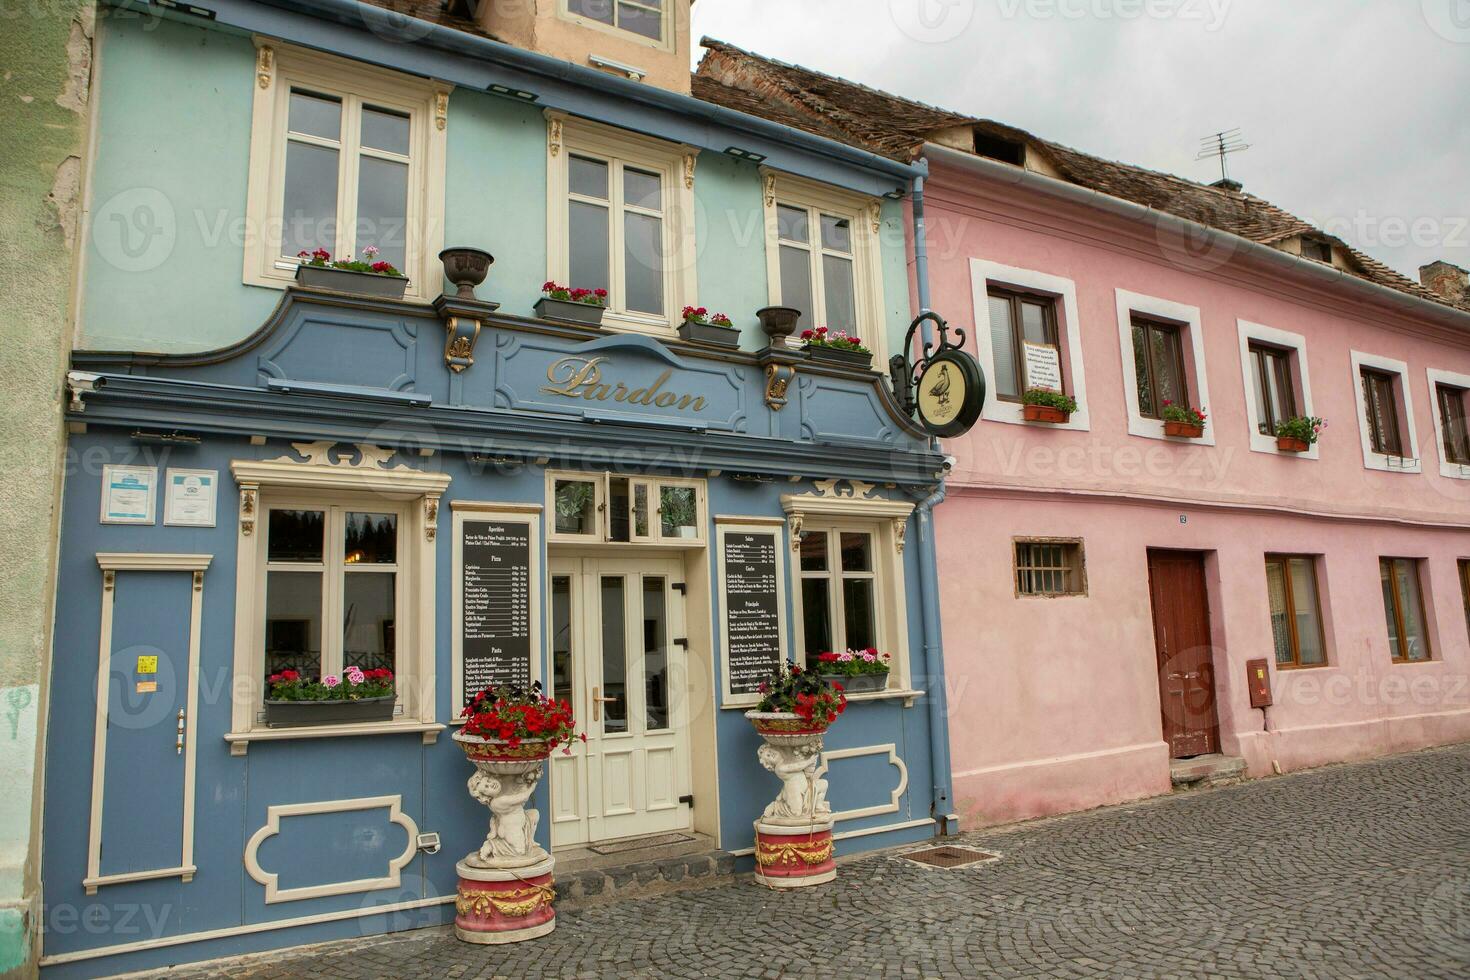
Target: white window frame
424 101
1436 377
1383 461
316 484
883 519
664 43
1286 340
603 520
864 216
1152 306
674 163
984 275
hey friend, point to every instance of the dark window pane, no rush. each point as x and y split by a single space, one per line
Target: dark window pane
796 282
309 209
1036 324
371 539
561 637
1390 607
1003 346
614 656
383 129
643 262
1416 641
368 613
840 294
588 228
655 653
617 509
814 551
816 616
1311 649
1168 383
1147 404
857 551
857 607
589 178
1280 614
295 535
382 210
640 510
314 115
293 622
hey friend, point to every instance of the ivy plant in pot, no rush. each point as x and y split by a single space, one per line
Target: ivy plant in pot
1183 421
836 347
796 702
1299 434
571 304
701 326
855 671
357 696
1040 405
368 276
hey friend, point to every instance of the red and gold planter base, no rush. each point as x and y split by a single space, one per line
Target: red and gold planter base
794 857
504 906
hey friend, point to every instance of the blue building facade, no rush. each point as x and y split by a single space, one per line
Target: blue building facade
268 476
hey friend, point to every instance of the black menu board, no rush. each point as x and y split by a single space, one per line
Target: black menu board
753 597
495 642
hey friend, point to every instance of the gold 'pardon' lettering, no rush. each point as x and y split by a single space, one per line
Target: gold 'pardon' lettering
581 377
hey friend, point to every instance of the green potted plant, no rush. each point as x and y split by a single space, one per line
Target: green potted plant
678 511
1299 434
368 276
572 305
1183 421
573 507
702 327
357 696
836 347
1040 405
855 671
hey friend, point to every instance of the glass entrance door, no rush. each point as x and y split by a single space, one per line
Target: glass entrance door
614 623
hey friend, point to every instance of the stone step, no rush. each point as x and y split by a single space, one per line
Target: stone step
1206 772
577 889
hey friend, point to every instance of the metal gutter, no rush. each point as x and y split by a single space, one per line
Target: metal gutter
1285 261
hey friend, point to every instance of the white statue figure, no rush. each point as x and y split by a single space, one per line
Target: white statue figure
512 826
803 796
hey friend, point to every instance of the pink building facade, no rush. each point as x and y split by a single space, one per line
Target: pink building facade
1105 585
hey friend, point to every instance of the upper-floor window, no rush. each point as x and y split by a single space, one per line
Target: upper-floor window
1018 318
1275 388
1296 611
1158 360
1452 424
1380 406
1403 605
1465 588
346 160
839 591
642 17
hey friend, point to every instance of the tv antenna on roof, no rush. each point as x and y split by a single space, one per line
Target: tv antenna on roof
1222 145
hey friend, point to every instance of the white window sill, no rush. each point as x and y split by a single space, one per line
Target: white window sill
240 741
1011 413
908 695
1392 464
1267 445
1454 471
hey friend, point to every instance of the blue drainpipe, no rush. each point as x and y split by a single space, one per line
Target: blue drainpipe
936 695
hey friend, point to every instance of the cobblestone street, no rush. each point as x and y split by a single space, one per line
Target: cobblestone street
1352 871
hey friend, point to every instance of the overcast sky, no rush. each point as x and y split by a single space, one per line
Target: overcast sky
1357 111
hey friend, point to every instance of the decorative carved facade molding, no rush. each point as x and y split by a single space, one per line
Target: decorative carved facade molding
248 503
778 379
441 109
554 134
265 66
690 161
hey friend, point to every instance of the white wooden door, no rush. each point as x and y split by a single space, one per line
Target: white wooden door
614 627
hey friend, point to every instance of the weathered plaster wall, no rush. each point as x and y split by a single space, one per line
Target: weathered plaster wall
45 78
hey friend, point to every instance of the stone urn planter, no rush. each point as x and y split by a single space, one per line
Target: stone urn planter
294 714
859 683
793 837
779 322
566 311
845 357
1045 413
466 268
505 888
348 281
1183 430
1289 445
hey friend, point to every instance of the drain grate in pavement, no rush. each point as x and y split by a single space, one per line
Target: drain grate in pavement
951 857
641 843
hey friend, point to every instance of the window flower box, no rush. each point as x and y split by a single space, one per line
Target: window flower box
302 714
1183 422
836 347
357 696
717 330
1289 445
318 270
1298 434
1051 407
1183 430
855 671
583 307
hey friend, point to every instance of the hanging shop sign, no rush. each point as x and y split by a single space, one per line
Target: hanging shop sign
944 388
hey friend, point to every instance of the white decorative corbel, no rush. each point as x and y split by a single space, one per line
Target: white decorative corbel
875 211
265 66
431 517
770 185
441 109
247 509
554 122
690 160
900 530
795 521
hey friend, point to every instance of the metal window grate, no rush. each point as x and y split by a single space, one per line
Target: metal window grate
951 857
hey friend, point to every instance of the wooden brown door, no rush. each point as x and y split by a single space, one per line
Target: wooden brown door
1176 583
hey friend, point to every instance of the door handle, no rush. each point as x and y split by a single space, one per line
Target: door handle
179 737
598 701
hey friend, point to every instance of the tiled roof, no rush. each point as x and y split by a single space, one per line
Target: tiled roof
898 128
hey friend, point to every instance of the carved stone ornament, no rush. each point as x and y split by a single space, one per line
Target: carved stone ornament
900 531
770 184
431 517
875 211
803 796
856 489
459 342
553 135
441 110
778 380
795 521
690 160
247 510
511 841
368 457
265 66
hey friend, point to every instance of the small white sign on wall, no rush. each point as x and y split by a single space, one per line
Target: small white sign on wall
1043 367
128 494
189 497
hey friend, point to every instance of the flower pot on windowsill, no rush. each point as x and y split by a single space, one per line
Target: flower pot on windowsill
1045 413
1289 445
860 359
348 281
565 311
710 333
1183 430
859 683
297 714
